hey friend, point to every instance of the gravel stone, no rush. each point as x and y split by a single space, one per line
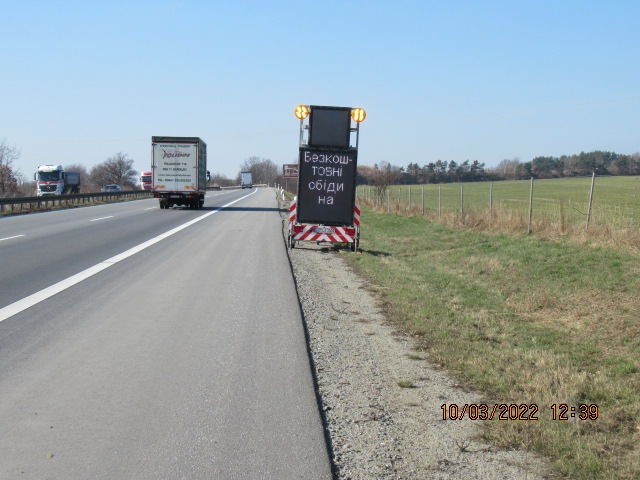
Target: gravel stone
377 429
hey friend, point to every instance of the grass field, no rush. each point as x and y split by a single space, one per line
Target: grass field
559 205
527 322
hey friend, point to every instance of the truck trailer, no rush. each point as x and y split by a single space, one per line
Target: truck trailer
246 180
179 171
53 180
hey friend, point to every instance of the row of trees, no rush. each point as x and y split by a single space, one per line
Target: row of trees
584 163
602 163
435 172
441 171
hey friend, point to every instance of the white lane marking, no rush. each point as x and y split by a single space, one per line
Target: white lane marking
9 238
33 299
150 208
101 218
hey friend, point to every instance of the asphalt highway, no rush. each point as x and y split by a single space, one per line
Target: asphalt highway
144 343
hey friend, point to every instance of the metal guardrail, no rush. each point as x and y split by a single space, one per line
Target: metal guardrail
237 187
10 204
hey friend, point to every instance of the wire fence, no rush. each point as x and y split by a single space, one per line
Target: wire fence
566 205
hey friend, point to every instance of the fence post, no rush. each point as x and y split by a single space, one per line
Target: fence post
633 211
530 207
490 203
462 201
409 197
439 201
593 180
422 199
388 201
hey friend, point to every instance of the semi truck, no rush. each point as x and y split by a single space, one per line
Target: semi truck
246 180
146 182
53 180
179 171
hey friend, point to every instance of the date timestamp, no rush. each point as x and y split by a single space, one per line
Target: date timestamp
524 411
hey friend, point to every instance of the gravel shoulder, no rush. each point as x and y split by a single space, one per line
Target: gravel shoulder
378 429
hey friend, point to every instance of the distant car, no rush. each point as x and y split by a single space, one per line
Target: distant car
111 188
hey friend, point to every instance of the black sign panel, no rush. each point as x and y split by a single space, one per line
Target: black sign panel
326 186
330 126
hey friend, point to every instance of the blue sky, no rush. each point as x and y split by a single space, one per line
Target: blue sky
440 80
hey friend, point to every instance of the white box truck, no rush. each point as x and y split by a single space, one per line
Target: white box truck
179 171
246 180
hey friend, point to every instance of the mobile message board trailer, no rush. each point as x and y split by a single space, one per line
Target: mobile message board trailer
325 209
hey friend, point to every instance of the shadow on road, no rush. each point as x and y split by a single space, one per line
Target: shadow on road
233 209
248 209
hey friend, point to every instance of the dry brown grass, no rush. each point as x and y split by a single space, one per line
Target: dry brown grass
510 222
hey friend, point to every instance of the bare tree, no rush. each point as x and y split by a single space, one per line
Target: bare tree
8 179
263 170
117 169
382 177
507 168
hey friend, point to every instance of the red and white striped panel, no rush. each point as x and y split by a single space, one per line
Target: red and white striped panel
306 233
356 214
292 210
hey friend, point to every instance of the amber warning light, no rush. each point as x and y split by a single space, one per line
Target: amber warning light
301 112
358 114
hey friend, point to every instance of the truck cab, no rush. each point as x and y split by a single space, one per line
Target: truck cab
49 180
146 182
